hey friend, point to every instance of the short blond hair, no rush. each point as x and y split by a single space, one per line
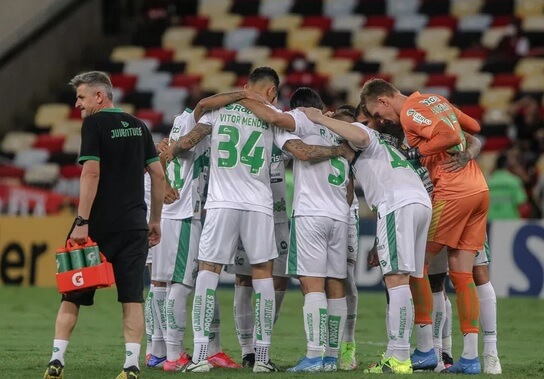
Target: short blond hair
375 88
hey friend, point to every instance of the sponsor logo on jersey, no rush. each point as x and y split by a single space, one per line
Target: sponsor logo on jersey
418 117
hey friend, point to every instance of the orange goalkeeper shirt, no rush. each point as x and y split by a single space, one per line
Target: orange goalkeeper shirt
419 117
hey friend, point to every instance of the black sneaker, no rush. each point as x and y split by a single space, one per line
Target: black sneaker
131 372
248 361
448 361
54 370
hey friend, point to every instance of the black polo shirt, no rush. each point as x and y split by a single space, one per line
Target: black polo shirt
124 147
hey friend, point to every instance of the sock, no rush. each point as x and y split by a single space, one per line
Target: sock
352 298
148 313
176 314
439 314
389 348
338 311
214 344
279 301
423 304
446 330
401 320
488 317
265 309
203 311
59 348
132 355
243 318
159 322
468 307
315 323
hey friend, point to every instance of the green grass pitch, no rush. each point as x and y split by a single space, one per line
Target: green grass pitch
27 317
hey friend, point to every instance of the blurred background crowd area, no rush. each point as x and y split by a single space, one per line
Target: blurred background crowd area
486 56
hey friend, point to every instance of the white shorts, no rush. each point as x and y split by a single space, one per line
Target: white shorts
175 260
223 229
439 263
241 264
353 236
402 240
318 247
149 258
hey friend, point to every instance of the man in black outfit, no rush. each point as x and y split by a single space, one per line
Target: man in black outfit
116 149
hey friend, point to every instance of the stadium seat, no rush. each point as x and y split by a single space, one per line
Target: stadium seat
153 81
366 67
533 83
474 111
533 23
476 52
528 8
42 175
273 8
272 39
142 66
411 22
139 99
225 22
335 8
190 54
334 66
285 23
433 7
506 80
307 7
475 22
498 7
401 39
384 22
473 81
348 22
218 82
245 7
492 36
209 65
497 97
30 157
186 80
466 39
319 53
463 66
462 8
72 144
496 116
51 143
213 7
371 7
442 21
171 67
196 22
336 39
71 171
15 141
460 98
530 66
225 55
251 54
499 66
178 37
127 53
409 82
240 38
287 54
416 55
304 39
401 7
163 55
238 68
150 116
431 67
381 54
349 53
209 38
442 55
13 172
486 160
442 80
255 22
278 64
51 113
127 82
127 108
170 101
431 38
397 66
320 22
438 90
306 79
345 82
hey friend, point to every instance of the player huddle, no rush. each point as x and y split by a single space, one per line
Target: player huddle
229 153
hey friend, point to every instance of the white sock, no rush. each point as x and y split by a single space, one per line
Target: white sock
203 311
424 334
132 354
59 349
352 299
214 344
446 330
243 318
279 301
176 314
488 317
159 322
315 323
148 316
470 345
401 320
439 314
265 309
389 348
338 311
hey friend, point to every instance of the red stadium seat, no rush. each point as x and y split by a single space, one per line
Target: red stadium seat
380 22
496 143
366 78
163 55
124 81
323 23
197 22
416 55
307 79
75 114
52 143
71 171
256 22
223 54
8 171
506 80
442 80
349 53
443 21
151 115
503 20
287 54
478 52
474 111
185 80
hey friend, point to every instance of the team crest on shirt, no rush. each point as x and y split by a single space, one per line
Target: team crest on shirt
418 117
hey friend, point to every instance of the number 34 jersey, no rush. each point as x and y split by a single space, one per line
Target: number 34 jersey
241 149
320 188
388 180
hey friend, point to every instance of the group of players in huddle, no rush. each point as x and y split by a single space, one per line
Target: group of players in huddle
430 202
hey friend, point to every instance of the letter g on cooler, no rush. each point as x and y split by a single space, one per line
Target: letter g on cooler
77 279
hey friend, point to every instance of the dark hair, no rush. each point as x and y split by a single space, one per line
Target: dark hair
502 161
344 114
347 107
306 97
94 79
264 73
374 88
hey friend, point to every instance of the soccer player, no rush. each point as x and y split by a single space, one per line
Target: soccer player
319 228
239 205
461 199
396 195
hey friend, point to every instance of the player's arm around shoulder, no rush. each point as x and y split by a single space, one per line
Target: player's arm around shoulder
316 153
188 141
270 114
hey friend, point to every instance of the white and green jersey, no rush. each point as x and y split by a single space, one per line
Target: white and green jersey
354 210
277 184
241 150
388 180
187 173
320 188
